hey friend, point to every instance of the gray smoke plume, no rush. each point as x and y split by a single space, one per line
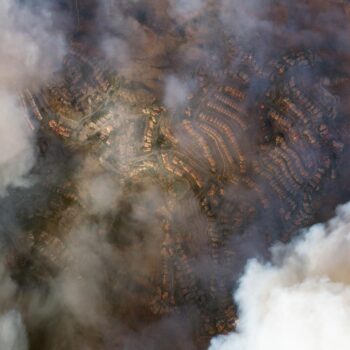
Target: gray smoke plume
299 300
31 50
93 274
12 332
17 152
176 93
185 9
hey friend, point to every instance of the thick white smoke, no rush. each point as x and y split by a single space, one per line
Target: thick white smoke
12 332
16 143
99 193
31 45
31 50
176 92
301 300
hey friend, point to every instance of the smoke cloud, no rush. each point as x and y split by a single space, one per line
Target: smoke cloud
31 50
185 9
12 332
17 155
176 93
99 194
96 248
300 300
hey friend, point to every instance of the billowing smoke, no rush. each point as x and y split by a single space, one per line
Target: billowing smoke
12 332
99 193
17 155
125 255
186 9
241 17
116 51
31 50
176 93
299 300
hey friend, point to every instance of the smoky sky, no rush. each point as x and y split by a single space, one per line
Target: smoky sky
89 238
